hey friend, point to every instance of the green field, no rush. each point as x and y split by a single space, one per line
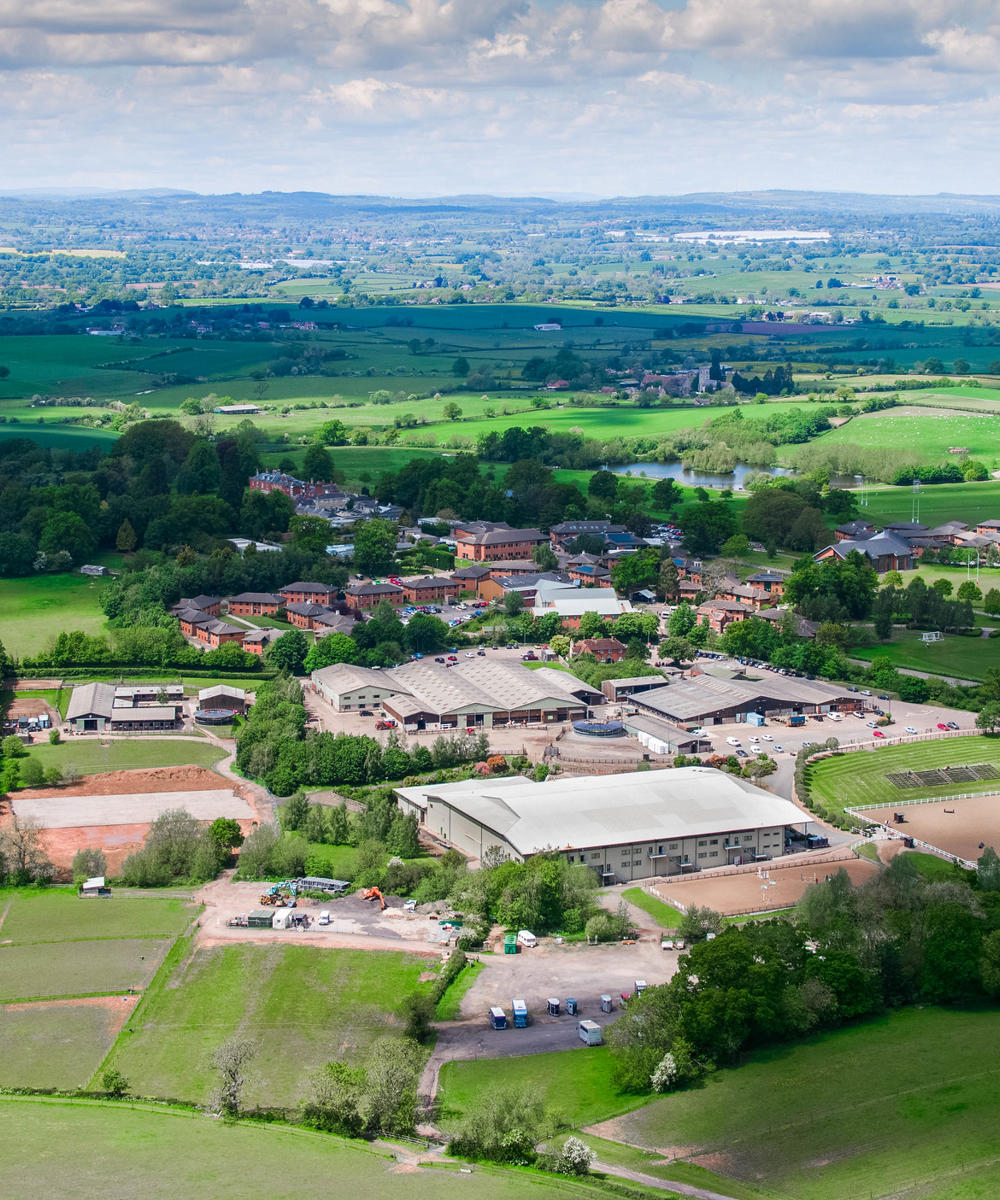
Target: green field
95 968
81 1148
901 1105
576 1084
305 1006
59 915
56 1045
662 914
859 777
35 610
957 657
940 502
91 757
931 431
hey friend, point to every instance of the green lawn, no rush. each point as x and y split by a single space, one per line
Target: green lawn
969 502
577 1084
81 1148
304 1005
57 698
931 431
859 777
664 914
35 610
906 1101
957 657
90 757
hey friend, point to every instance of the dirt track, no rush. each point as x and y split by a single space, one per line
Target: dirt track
121 783
954 826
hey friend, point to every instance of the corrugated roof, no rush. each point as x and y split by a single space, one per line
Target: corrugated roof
91 698
609 810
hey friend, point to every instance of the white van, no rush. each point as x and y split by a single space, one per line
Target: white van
834 716
324 917
527 939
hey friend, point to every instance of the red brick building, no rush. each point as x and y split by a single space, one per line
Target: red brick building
254 604
369 595
308 593
301 615
486 541
605 650
294 489
258 640
430 589
217 633
210 605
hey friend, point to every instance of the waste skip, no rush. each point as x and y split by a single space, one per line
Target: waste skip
510 943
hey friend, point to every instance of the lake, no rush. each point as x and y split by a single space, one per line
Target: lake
692 478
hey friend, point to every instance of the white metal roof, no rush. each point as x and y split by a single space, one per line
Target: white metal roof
609 810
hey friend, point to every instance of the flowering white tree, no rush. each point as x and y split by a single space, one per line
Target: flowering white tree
576 1158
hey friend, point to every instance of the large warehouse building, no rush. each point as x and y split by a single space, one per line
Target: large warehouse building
423 695
711 700
630 826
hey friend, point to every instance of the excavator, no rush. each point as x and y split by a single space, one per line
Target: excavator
281 893
373 893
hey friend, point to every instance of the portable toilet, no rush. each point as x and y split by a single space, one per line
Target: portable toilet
606 1005
498 1018
590 1033
520 1014
510 943
571 1006
553 1006
640 986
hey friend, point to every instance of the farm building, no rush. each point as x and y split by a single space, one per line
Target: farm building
94 707
619 689
625 827
143 718
570 603
469 695
89 708
710 700
233 699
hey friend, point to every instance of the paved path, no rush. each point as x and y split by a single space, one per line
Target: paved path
653 1181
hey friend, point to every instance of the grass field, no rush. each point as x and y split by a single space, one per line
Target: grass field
662 914
303 1005
931 431
907 1101
34 610
940 502
92 968
57 1045
957 657
92 757
577 1084
86 1148
59 915
849 780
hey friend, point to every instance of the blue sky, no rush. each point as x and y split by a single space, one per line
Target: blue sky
427 97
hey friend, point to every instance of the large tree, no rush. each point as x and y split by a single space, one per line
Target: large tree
375 546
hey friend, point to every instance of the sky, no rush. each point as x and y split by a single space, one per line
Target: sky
509 97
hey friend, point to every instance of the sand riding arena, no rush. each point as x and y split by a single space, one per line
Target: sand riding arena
958 827
114 811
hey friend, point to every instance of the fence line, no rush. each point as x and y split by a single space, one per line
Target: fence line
857 809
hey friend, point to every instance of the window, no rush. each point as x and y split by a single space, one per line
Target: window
702 842
636 862
702 855
713 854
714 842
673 845
596 856
659 849
748 837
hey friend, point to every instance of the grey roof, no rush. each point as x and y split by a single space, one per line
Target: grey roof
193 616
221 689
372 589
221 627
315 588
609 810
702 695
500 537
262 635
124 714
638 681
873 547
256 598
306 609
430 581
91 699
427 687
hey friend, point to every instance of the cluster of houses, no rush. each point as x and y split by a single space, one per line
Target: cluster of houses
899 544
320 499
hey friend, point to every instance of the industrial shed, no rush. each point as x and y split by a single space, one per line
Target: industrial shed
630 826
710 700
468 695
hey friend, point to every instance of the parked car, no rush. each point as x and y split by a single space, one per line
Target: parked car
741 754
439 659
865 692
942 725
952 724
529 657
453 658
470 654
878 733
768 738
885 696
851 687
481 653
910 729
779 749
366 712
731 741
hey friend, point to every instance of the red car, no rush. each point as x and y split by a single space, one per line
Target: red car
878 733
941 725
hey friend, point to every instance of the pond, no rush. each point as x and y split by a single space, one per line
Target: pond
692 478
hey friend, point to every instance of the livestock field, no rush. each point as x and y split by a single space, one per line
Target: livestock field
862 776
903 1104
931 431
302 1005
34 611
67 970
